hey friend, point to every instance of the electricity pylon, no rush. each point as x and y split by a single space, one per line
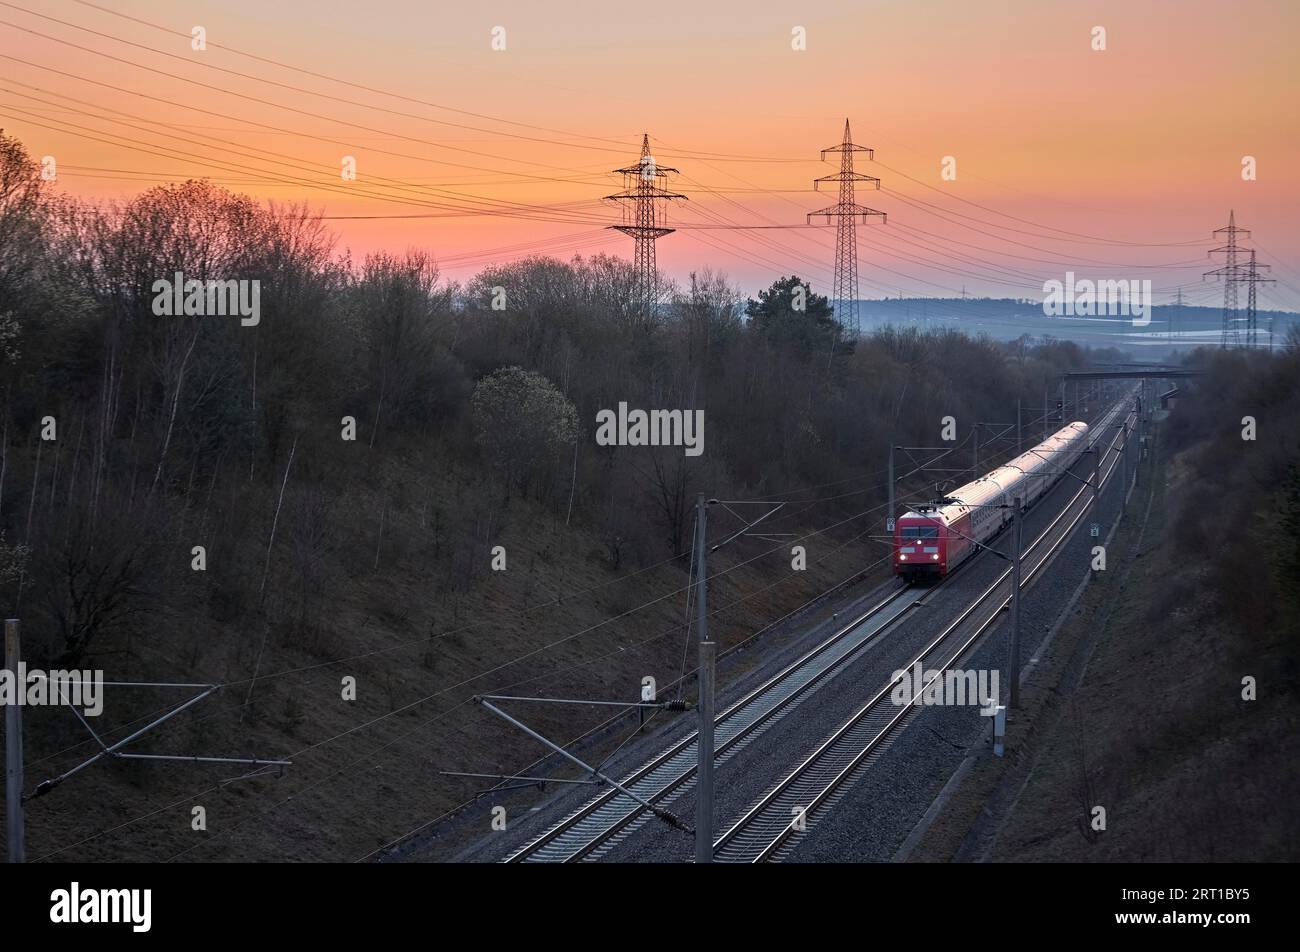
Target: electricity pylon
847 212
1234 272
1252 278
643 189
1231 272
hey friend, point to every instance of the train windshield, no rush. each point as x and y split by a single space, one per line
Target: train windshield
920 532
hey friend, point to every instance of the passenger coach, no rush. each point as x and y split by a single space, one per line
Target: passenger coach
930 541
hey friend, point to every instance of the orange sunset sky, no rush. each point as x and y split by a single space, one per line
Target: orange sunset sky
1114 163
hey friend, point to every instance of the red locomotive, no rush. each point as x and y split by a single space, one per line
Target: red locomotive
930 541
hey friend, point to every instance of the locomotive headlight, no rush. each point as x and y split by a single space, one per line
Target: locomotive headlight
935 556
902 558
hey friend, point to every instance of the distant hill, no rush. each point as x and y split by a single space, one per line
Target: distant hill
1172 329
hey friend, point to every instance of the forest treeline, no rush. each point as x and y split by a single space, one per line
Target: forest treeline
319 493
1238 523
465 401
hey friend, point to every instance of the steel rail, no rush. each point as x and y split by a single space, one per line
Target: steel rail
875 720
602 818
766 709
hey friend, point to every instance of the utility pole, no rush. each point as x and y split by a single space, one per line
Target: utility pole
1044 411
643 189
14 750
975 467
704 740
1017 426
846 212
1123 455
890 515
1096 473
1014 700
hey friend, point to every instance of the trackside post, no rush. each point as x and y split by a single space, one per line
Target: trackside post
704 745
14 752
1014 665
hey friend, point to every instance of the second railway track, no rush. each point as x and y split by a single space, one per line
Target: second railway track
598 822
765 832
607 818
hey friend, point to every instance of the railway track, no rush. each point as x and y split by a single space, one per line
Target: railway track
608 818
602 821
767 830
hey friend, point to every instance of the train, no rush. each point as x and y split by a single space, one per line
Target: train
932 540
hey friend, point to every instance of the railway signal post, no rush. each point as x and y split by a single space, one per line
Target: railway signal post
704 743
1014 665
